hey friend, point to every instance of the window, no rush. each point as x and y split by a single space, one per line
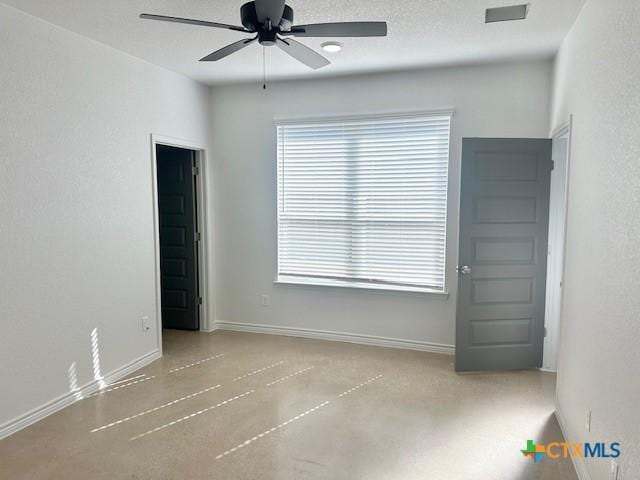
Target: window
363 202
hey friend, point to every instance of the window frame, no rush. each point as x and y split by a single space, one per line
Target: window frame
359 285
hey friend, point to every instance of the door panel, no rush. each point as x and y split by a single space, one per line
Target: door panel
178 247
504 214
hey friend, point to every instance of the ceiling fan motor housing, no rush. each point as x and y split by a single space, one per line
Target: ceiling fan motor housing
250 21
267 38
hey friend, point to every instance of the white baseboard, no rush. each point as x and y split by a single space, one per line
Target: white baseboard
58 403
547 370
337 336
578 462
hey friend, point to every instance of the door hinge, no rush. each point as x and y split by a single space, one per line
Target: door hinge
199 300
553 164
198 237
196 171
545 332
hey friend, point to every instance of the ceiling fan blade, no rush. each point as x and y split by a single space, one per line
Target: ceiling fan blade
228 50
342 29
302 53
189 21
269 10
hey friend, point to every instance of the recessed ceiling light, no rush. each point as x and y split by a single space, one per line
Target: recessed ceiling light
331 47
506 14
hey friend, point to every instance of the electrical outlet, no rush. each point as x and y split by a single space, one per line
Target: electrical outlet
265 300
587 421
614 470
145 324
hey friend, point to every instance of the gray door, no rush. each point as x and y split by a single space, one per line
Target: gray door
178 241
502 262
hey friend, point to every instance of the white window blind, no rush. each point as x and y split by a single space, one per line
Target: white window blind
364 201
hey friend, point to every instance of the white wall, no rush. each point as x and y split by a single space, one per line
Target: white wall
597 80
76 226
504 100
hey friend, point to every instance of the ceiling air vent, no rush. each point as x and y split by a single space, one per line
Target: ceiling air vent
506 14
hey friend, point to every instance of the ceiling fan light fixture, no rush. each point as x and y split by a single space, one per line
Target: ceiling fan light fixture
331 47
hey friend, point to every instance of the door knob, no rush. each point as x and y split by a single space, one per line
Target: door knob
463 269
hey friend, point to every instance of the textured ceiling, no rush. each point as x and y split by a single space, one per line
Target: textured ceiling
422 33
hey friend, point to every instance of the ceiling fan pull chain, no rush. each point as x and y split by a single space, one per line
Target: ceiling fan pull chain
264 69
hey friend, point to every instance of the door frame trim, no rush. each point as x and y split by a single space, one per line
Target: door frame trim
552 342
202 202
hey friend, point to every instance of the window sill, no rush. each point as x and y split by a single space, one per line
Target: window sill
323 282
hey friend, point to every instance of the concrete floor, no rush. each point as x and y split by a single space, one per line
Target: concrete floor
289 408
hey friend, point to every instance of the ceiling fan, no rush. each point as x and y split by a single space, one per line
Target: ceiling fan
272 22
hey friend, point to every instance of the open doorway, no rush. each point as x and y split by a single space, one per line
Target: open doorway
178 225
180 219
513 210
